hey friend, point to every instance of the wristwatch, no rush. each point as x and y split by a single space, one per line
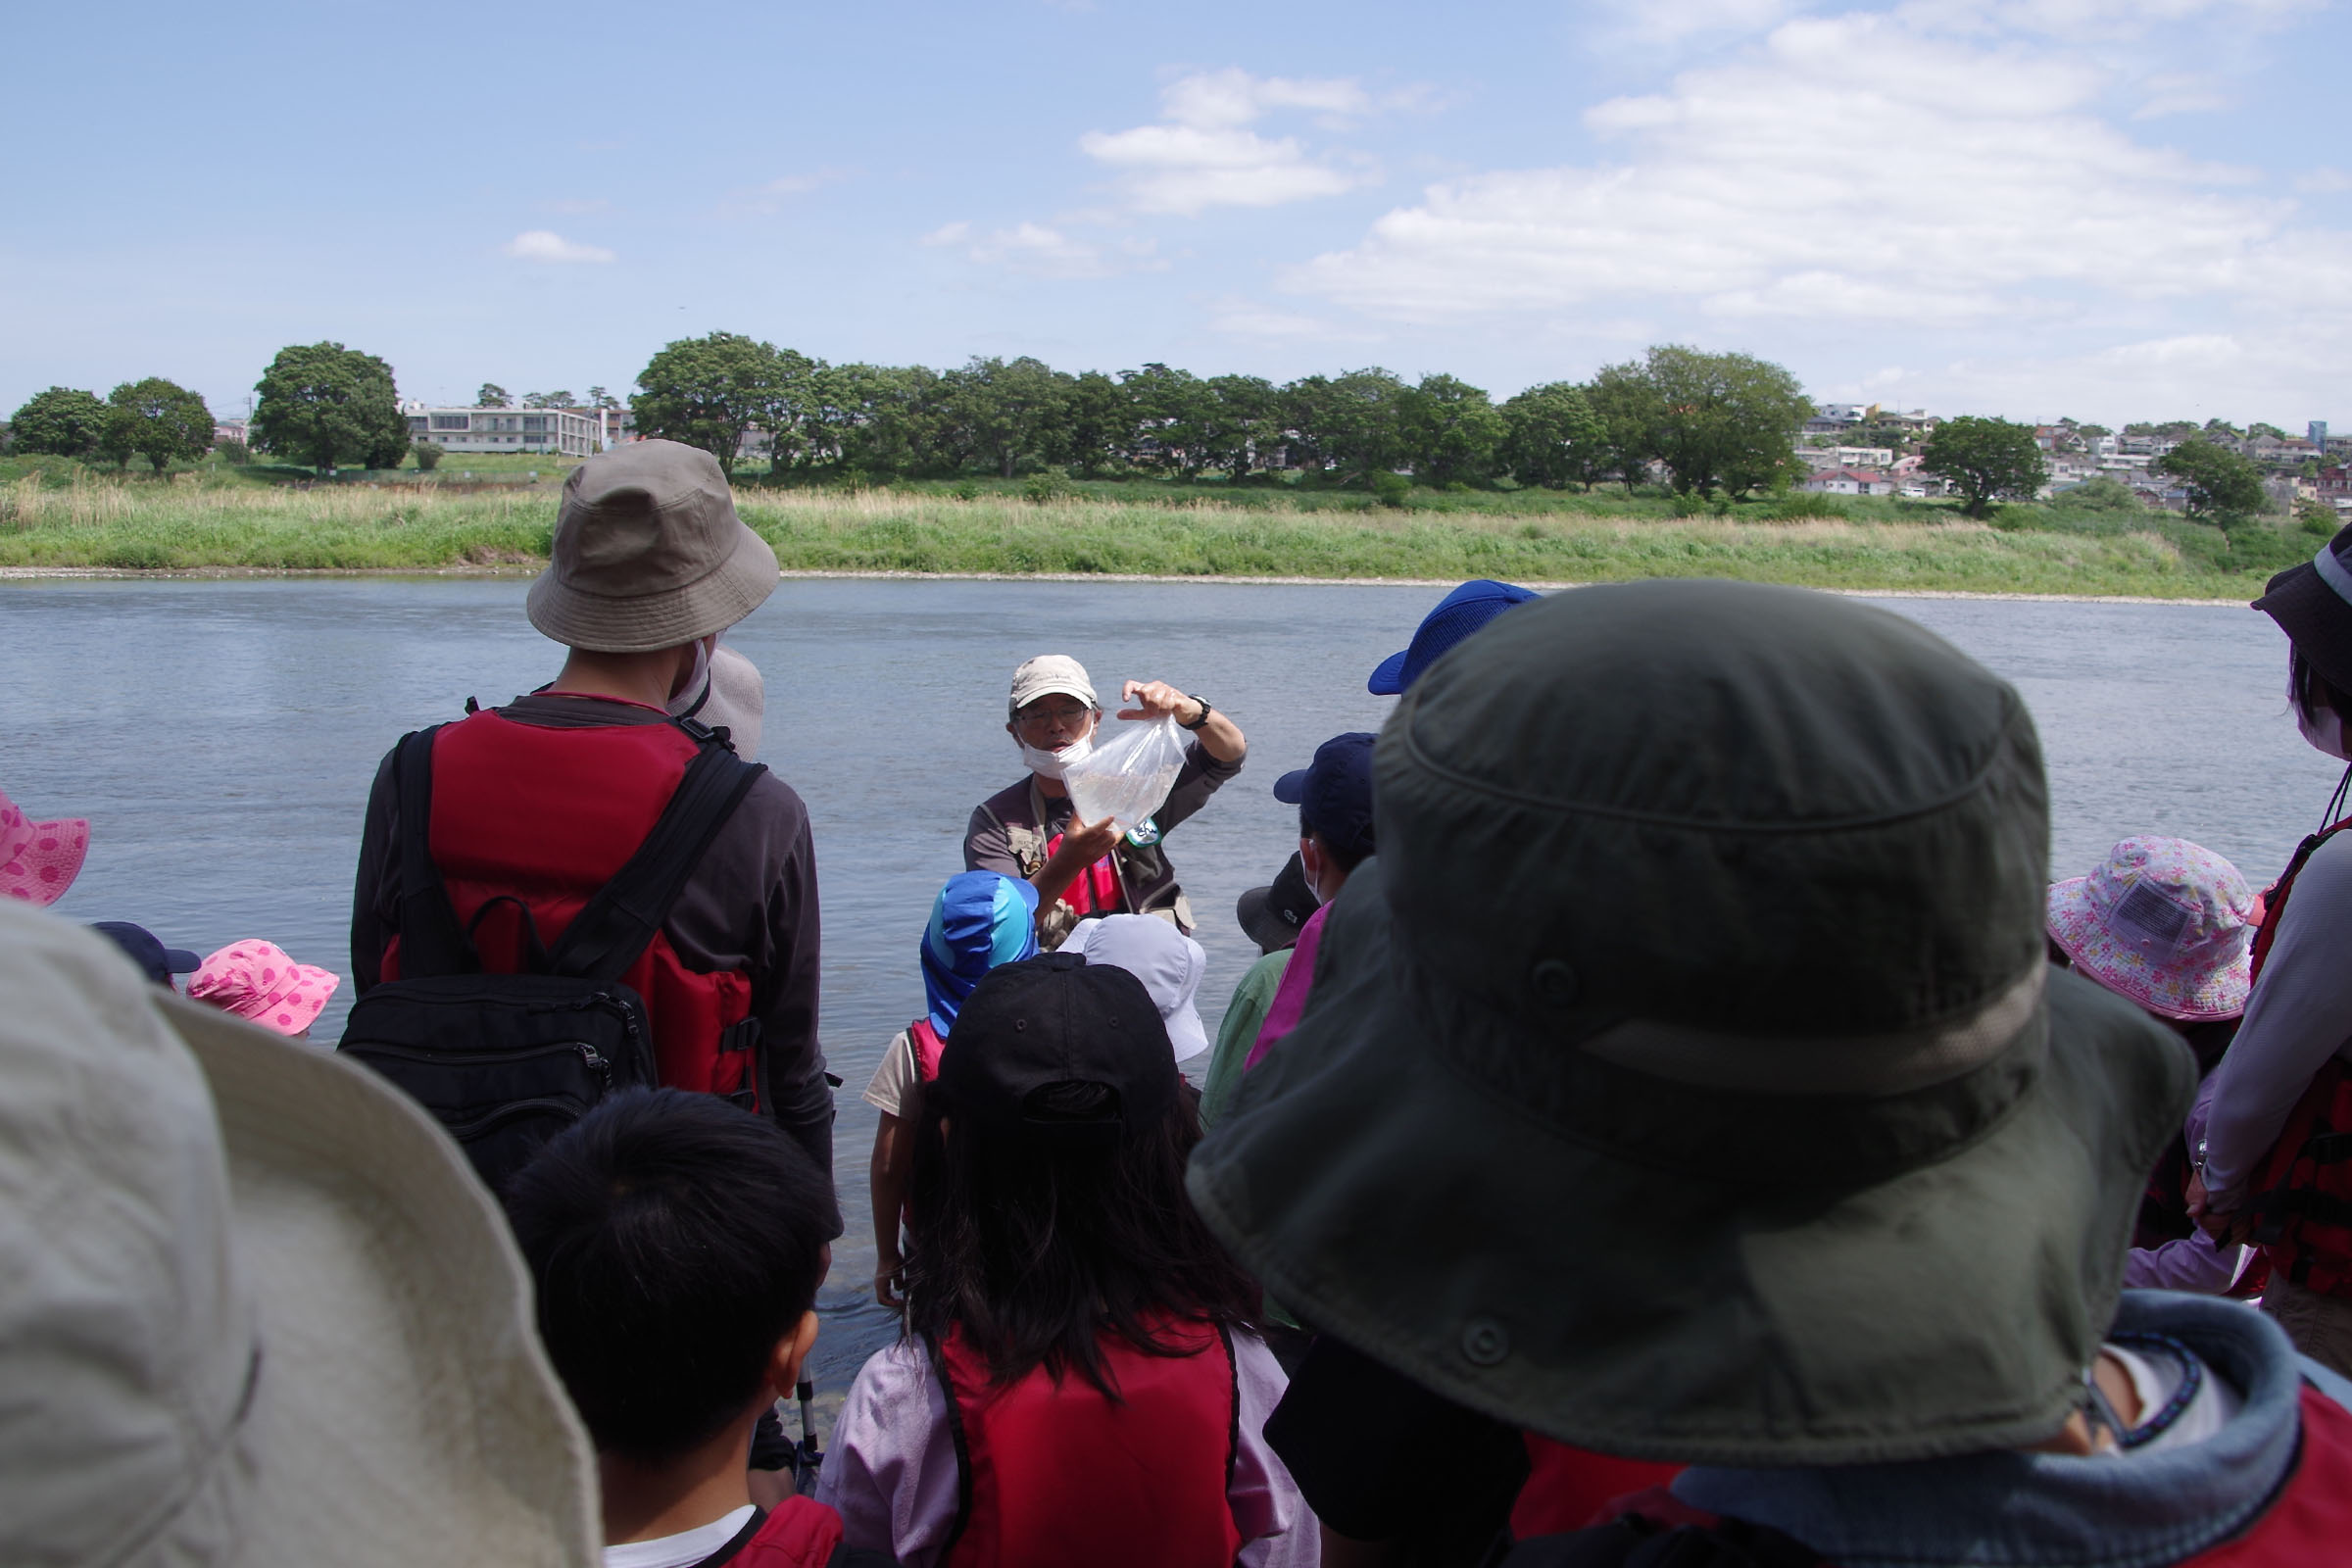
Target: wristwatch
1205 710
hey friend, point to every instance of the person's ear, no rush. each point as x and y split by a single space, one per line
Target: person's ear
1009 730
1310 863
784 1361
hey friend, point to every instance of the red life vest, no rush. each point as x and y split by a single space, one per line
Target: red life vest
798 1532
2302 1199
1052 1473
2309 1519
1094 890
1567 1488
927 1044
547 816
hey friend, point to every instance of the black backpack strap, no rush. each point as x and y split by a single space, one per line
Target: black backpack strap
431 942
609 934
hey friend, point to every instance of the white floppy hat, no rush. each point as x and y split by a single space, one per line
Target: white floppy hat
258 1310
1168 963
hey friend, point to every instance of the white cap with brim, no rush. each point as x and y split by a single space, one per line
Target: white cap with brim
1048 673
259 1309
1168 963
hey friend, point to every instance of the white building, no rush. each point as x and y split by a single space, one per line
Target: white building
573 432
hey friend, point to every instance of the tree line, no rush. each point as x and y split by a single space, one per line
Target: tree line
1714 421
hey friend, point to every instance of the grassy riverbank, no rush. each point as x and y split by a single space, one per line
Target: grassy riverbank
191 526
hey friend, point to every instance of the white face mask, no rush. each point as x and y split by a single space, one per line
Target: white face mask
690 697
2324 730
1051 763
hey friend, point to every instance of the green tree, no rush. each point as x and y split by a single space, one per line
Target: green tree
548 400
1449 431
61 422
1551 437
1724 421
1168 407
2092 432
2100 495
599 398
429 455
1986 460
1097 421
159 422
1625 400
2223 486
324 404
1003 413
1350 421
791 411
492 396
708 392
1237 427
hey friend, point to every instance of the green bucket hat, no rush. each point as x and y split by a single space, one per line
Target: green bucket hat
1685 1080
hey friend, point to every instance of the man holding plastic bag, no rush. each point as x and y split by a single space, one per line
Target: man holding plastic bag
1085 826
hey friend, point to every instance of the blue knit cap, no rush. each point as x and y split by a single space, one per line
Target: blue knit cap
979 920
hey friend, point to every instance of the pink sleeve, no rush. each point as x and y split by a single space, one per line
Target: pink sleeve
1290 997
891 1472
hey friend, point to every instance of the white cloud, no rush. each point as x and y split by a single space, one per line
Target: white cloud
770 198
2179 94
2324 181
1201 153
1243 318
545 245
1043 251
1893 185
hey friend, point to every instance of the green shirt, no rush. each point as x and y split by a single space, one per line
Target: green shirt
1238 1031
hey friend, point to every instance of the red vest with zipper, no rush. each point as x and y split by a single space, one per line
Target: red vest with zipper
798 1532
1053 1474
2303 1193
547 816
2309 1520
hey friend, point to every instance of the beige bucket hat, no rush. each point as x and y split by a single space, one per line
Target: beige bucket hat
649 554
258 1309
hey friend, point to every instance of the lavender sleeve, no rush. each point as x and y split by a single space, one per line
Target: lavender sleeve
1278 1530
2193 1263
2299 1016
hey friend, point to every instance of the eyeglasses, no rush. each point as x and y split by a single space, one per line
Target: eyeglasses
1037 716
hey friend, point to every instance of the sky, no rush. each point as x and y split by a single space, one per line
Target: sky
2108 210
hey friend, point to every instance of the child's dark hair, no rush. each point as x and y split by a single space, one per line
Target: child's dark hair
2311 691
674 1240
1034 1245
1345 861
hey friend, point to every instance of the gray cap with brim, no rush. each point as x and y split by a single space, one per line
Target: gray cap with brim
1685 1079
649 554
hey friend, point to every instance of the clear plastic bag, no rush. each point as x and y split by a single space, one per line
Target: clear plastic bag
1127 776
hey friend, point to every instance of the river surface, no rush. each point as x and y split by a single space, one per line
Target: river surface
221 736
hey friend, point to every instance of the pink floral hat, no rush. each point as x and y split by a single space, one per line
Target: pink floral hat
39 861
256 979
2166 922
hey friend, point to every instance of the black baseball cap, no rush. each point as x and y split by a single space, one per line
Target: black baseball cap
2312 602
1273 915
1058 1019
147 951
1334 792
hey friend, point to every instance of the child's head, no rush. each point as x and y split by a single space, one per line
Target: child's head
1047 1196
676 1243
258 980
2164 922
981 919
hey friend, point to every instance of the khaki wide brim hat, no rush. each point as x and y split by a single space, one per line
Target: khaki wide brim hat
649 554
259 1309
1684 1080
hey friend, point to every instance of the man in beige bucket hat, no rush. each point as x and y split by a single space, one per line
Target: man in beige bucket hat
258 1311
535 808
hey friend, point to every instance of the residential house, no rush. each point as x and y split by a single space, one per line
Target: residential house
1851 482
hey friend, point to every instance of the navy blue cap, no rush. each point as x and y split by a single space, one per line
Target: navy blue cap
1334 792
148 952
1458 615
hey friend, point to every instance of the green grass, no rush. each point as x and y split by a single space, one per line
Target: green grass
53 515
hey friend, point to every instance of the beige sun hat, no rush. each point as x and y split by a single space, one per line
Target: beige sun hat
258 1311
649 554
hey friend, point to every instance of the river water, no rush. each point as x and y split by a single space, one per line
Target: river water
220 735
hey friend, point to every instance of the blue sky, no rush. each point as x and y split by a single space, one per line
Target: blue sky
2033 208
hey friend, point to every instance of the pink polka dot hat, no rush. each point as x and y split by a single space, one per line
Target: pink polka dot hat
39 861
256 979
2168 923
